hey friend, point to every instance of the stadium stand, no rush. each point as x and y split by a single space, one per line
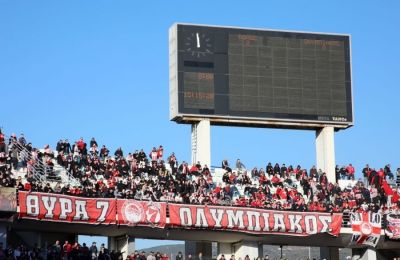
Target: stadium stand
88 171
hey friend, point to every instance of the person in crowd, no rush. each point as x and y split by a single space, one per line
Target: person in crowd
350 171
56 250
343 173
93 142
67 147
366 171
118 153
160 153
151 256
179 256
104 152
277 169
239 165
172 161
2 142
154 155
225 166
66 250
388 172
104 254
22 140
93 251
85 252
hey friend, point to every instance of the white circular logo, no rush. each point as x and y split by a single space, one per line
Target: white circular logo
366 228
133 212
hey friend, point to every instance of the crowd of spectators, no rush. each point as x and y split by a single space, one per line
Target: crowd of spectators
76 251
57 251
152 176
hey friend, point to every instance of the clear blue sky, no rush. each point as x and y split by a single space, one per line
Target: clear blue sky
100 68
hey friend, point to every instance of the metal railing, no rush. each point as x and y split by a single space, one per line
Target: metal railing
37 168
42 172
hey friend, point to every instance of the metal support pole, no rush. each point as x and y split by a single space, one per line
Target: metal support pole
325 151
201 142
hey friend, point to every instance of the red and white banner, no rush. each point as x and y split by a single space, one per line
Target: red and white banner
62 208
255 221
392 229
142 213
366 228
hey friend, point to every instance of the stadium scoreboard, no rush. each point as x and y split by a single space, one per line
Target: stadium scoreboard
253 77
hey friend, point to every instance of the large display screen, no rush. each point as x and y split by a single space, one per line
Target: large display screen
261 74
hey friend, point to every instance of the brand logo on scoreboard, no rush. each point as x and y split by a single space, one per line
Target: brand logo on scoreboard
339 119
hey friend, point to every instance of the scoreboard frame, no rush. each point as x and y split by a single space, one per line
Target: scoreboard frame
245 121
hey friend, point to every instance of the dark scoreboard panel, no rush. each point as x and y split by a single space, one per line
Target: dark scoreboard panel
262 75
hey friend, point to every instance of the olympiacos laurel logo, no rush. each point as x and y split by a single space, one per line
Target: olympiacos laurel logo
132 212
366 228
140 212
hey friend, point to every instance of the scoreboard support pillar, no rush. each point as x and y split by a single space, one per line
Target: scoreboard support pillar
224 249
325 151
242 248
251 248
124 244
201 142
194 248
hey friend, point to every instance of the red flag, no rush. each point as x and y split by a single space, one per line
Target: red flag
388 190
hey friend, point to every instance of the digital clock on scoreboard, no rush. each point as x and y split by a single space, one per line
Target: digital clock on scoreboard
260 77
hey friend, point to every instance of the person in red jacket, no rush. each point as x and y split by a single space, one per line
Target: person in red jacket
160 152
263 179
67 247
194 170
256 203
350 172
81 144
27 186
276 180
217 190
241 201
